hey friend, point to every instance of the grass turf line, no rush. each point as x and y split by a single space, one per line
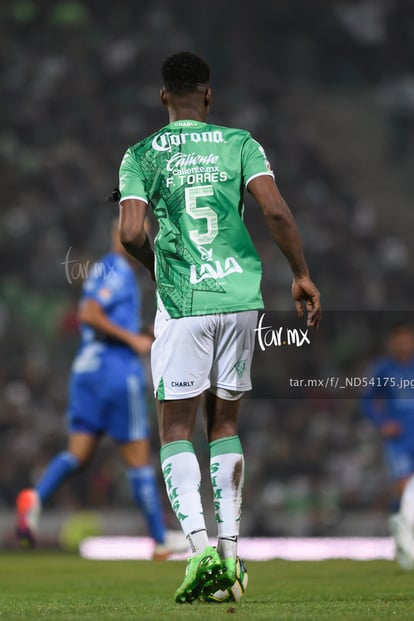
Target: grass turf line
57 587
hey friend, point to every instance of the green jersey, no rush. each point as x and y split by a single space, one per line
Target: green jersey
194 175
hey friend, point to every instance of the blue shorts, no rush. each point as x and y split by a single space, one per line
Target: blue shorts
400 460
110 400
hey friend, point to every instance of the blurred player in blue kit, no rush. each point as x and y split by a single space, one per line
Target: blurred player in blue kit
389 404
106 395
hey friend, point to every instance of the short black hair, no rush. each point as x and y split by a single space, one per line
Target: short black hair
184 72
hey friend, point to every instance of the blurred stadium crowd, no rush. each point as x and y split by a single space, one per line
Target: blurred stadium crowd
328 89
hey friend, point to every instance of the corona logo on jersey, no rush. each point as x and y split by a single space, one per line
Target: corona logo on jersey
164 141
214 270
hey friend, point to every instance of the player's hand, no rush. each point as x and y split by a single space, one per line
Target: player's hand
306 296
391 429
140 343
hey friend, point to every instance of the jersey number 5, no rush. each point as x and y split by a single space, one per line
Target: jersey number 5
191 195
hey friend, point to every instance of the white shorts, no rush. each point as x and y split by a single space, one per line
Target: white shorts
191 354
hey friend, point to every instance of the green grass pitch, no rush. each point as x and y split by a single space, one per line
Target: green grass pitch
65 587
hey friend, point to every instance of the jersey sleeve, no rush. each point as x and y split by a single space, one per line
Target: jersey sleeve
254 160
131 178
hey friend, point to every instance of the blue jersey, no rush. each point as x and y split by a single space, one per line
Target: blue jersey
388 400
107 386
112 284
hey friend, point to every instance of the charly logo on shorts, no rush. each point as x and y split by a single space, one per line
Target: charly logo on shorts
182 384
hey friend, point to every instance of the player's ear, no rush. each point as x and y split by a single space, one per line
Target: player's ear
163 96
207 98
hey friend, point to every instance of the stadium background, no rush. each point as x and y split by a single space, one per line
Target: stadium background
328 88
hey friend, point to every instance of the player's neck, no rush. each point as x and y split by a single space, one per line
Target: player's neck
187 113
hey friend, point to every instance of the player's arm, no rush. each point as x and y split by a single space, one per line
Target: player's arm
132 210
92 313
132 232
284 231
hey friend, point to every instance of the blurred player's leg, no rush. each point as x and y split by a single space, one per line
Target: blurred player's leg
59 469
401 523
407 503
145 493
144 490
30 502
402 527
27 519
403 538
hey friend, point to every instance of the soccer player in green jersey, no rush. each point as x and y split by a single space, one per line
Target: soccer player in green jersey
208 293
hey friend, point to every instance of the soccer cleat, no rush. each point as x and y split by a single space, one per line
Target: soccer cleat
175 543
28 510
161 552
201 573
222 590
404 540
227 577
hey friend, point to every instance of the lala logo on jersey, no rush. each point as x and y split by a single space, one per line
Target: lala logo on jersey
214 270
